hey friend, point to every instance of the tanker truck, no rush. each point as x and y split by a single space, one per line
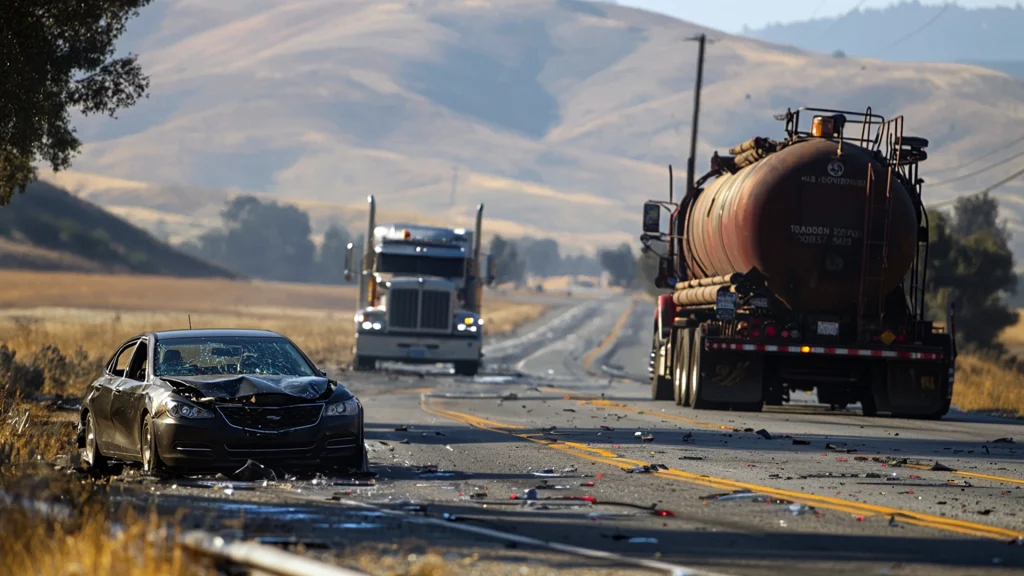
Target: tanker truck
420 295
800 264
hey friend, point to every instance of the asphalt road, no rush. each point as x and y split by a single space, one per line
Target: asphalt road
859 497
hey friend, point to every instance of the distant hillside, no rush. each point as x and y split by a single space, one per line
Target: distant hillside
49 229
910 31
560 115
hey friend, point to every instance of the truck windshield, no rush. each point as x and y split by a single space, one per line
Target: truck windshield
407 264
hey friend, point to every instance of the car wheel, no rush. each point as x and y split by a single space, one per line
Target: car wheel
92 459
147 447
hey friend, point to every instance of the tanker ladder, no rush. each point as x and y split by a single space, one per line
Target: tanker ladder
875 254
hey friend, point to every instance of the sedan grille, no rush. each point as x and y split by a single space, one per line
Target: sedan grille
272 418
409 311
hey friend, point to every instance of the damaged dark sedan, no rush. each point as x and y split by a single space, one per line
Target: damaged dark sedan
210 400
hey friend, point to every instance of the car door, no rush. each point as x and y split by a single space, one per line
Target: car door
125 407
101 395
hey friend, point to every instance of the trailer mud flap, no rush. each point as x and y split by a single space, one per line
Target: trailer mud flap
917 387
731 377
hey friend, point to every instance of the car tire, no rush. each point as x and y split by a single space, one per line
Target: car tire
93 461
151 463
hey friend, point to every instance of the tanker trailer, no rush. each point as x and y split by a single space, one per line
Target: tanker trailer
800 264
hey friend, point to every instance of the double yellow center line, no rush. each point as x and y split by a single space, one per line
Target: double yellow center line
817 501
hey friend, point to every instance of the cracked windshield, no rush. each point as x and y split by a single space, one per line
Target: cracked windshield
229 356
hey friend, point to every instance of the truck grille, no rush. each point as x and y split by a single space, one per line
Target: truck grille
405 310
436 315
272 418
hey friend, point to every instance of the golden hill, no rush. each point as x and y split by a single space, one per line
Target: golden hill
561 115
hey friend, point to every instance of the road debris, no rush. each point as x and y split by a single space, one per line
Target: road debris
645 469
253 471
1003 441
402 428
764 434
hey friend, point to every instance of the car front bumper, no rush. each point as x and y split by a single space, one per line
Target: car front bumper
213 444
418 349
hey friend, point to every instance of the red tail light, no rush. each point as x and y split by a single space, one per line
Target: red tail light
755 333
785 333
770 330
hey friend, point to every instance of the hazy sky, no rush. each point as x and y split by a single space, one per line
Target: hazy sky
732 15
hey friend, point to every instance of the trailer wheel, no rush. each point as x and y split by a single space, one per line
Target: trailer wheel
696 352
469 368
661 387
681 367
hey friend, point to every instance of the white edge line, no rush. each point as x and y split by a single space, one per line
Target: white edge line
673 569
266 558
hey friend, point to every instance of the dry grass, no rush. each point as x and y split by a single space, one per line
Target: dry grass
93 313
984 385
75 534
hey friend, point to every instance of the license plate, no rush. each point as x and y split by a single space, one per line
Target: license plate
417 353
828 328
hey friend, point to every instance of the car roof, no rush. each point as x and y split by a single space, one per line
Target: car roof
215 333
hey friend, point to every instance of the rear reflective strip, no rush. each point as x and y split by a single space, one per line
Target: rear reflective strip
873 353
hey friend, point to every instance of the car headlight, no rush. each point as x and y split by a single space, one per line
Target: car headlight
343 408
178 409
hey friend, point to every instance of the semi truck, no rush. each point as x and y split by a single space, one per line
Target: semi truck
801 264
420 295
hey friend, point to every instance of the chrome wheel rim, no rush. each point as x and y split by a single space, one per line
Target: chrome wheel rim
147 447
90 440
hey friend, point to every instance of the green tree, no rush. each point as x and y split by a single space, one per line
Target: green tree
58 55
330 261
621 264
262 240
509 265
971 265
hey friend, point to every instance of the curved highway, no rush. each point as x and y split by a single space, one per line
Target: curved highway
555 458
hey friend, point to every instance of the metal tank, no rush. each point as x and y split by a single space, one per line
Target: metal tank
798 217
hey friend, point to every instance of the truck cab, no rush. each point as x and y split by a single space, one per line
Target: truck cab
420 296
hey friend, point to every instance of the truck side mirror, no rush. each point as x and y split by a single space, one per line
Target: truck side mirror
652 218
491 276
350 261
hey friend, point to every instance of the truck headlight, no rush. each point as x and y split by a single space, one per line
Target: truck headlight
179 409
370 322
343 408
468 323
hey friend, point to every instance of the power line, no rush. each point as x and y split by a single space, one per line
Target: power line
978 171
840 18
919 29
1006 180
999 148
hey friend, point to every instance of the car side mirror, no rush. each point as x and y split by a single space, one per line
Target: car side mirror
652 218
491 264
350 261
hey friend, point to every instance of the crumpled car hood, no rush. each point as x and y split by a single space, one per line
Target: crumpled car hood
243 386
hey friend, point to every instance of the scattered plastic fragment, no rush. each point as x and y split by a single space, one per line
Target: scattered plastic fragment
892 521
587 484
253 471
639 540
1003 441
860 518
764 434
647 438
568 409
692 458
609 428
799 509
939 467
402 428
688 437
